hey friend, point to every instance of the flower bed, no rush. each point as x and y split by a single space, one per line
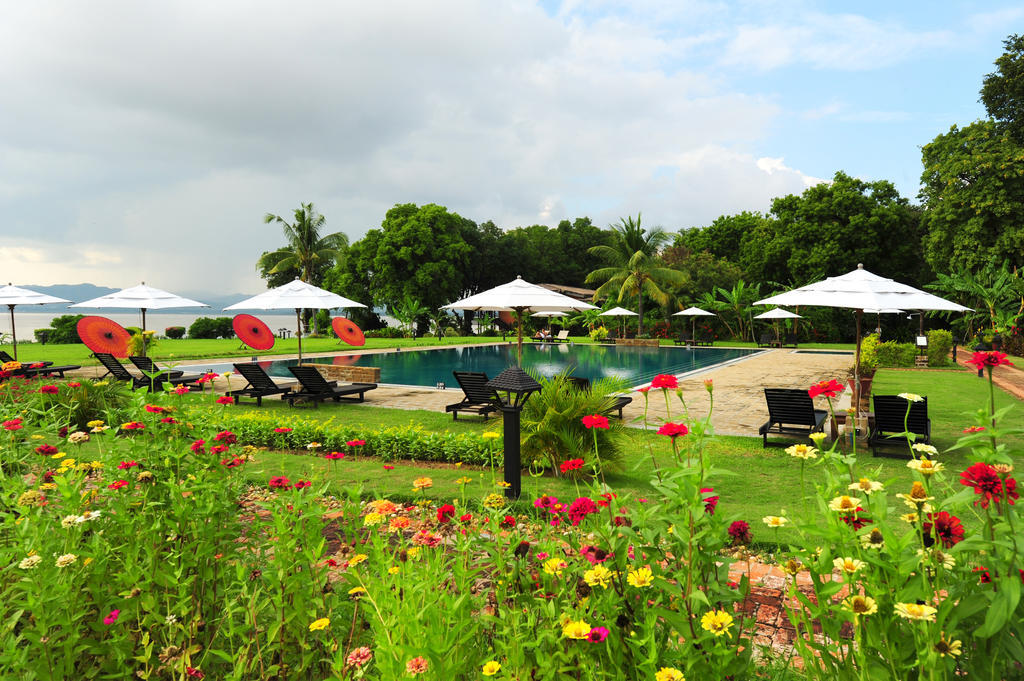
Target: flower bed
137 550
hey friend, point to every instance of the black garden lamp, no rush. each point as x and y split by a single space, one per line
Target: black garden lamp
513 387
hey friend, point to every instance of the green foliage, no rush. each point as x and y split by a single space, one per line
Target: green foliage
973 192
62 329
875 354
308 252
552 423
598 334
869 353
940 343
210 327
175 332
386 332
141 341
995 294
1002 92
73 406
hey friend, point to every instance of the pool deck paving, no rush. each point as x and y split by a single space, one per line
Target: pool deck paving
739 404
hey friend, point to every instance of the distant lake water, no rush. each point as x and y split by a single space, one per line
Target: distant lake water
28 322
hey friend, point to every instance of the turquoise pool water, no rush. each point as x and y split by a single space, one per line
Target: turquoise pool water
636 365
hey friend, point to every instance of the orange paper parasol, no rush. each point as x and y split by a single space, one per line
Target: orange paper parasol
253 332
103 335
348 331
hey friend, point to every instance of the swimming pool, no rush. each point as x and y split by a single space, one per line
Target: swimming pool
636 365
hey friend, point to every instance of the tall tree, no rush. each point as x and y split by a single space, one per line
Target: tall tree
307 253
632 266
1002 92
973 189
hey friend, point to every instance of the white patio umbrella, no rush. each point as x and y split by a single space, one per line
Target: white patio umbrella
297 295
141 298
694 312
861 290
619 312
12 295
519 296
775 315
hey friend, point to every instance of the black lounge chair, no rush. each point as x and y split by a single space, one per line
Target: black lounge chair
615 402
767 340
36 369
149 367
259 385
789 341
890 414
479 399
118 371
316 388
684 339
791 412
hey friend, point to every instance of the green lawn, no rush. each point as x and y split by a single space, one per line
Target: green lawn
764 481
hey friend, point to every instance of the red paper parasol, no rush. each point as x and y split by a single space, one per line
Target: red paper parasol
348 331
253 332
103 335
345 360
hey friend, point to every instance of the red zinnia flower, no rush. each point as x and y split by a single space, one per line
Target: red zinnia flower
829 388
225 399
218 449
947 529
180 389
13 424
194 673
125 465
596 421
445 513
356 443
665 381
643 389
280 482
580 509
855 519
984 577
118 485
155 409
991 360
388 468
282 430
334 456
133 425
74 384
168 419
232 463
571 465
466 518
986 482
46 450
507 522
48 389
226 436
974 429
673 430
739 530
197 446
709 502
302 484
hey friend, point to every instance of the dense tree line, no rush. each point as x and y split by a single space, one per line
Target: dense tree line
967 223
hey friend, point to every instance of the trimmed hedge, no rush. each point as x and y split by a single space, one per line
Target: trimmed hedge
405 442
940 342
175 332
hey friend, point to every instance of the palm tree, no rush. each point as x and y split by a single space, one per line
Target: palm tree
737 301
632 266
307 252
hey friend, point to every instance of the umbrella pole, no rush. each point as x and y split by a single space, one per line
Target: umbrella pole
298 331
519 348
856 367
14 335
143 331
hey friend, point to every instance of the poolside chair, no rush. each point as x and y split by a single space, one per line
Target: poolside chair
316 389
562 337
479 399
683 339
37 369
767 340
703 338
259 385
615 402
789 341
891 415
118 371
149 367
790 412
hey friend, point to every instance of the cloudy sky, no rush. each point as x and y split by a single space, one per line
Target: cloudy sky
144 140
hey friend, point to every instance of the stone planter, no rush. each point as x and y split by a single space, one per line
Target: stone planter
348 374
644 342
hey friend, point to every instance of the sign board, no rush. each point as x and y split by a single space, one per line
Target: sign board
922 341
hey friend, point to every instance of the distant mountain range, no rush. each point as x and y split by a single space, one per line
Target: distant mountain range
77 293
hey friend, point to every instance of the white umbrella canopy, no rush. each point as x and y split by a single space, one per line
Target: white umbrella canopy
619 312
295 295
519 296
778 313
11 295
141 298
861 290
694 312
548 314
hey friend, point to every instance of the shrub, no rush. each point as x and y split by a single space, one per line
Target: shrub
62 329
940 342
42 335
598 334
141 341
208 327
869 353
175 332
77 402
451 332
386 332
892 354
490 332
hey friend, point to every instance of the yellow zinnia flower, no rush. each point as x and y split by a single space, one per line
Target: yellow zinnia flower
717 622
867 486
946 647
848 565
640 578
578 630
844 504
554 566
599 575
861 605
774 521
918 495
668 674
491 668
916 611
925 467
802 452
319 624
356 559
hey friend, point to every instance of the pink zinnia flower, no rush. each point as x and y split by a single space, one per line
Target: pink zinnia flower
417 665
665 381
335 456
125 465
118 485
197 446
112 617
597 635
596 421
280 482
356 443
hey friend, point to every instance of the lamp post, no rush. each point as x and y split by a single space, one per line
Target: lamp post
513 387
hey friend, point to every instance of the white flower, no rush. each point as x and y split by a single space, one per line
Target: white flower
911 397
30 562
170 619
774 521
925 449
66 560
69 521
